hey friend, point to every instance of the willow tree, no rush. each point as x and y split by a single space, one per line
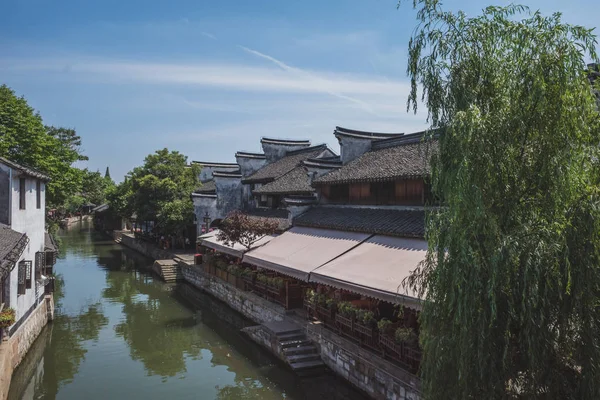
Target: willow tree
512 276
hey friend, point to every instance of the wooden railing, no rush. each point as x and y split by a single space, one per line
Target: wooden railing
406 355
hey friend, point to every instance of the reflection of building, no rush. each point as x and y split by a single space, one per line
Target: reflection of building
25 257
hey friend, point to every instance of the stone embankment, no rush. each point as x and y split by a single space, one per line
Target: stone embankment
14 348
305 346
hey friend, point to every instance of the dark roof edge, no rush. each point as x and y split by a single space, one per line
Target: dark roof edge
204 195
364 134
403 140
288 142
245 154
367 180
321 163
216 164
227 174
307 149
25 169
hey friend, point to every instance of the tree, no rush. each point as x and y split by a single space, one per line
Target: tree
94 187
25 140
159 191
245 230
513 268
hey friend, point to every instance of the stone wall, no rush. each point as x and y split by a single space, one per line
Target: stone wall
147 249
248 304
373 375
266 339
14 349
352 147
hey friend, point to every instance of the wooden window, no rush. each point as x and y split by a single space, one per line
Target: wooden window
50 258
383 192
360 193
22 278
40 264
28 273
22 193
38 194
339 193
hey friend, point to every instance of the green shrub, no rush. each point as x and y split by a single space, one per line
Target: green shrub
383 325
406 335
7 317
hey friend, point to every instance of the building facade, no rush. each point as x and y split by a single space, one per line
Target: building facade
27 255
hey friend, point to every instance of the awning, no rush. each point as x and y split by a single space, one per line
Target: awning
300 250
211 241
376 269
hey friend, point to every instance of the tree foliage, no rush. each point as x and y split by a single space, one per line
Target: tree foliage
25 140
512 275
245 230
159 191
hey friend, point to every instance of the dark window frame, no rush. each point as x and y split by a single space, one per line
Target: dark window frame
22 193
24 276
38 194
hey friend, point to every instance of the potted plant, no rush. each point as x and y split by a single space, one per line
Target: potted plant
7 317
383 325
405 335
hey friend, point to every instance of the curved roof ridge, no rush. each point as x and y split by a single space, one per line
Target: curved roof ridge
289 142
248 154
364 134
216 164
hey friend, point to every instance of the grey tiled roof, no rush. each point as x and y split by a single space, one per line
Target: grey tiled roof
280 216
393 222
284 165
12 244
207 187
49 244
389 160
294 182
24 169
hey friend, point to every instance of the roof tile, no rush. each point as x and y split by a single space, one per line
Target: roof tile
393 222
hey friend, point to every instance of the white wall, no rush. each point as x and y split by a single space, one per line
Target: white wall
32 222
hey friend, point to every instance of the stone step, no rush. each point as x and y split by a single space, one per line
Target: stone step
296 358
291 336
300 350
307 365
295 343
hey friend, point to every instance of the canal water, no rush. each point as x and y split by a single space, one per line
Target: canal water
119 333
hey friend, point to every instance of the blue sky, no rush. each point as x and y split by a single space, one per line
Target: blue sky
209 78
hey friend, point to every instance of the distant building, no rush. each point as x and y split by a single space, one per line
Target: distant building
257 183
27 255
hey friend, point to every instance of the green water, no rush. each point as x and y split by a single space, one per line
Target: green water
120 334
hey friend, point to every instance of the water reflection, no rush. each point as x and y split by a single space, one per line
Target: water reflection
120 334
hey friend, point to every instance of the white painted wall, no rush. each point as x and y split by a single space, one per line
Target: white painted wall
30 221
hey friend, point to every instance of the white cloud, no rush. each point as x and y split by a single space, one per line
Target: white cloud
208 35
229 76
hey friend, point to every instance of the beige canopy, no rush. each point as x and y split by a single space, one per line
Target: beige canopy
300 250
376 269
211 241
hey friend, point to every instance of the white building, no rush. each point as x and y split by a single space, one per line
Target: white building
26 257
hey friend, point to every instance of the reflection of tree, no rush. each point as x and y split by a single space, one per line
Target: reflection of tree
156 328
65 354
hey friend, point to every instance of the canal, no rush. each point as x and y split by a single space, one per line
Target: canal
118 333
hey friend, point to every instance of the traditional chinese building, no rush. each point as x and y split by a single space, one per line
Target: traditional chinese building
27 254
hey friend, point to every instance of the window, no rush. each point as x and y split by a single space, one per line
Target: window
28 274
339 193
40 264
383 192
24 277
22 193
38 194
